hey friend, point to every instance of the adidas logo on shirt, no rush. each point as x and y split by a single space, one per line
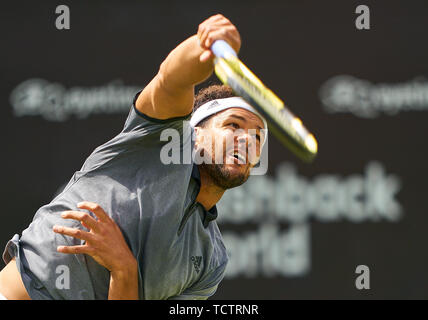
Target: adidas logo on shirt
196 262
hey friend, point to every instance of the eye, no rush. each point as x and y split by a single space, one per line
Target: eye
234 125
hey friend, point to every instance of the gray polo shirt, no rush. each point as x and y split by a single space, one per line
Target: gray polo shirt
176 242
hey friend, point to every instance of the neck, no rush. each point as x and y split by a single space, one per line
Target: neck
209 193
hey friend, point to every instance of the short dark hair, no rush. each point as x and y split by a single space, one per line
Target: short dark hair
216 91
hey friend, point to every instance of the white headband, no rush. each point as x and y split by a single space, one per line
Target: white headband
214 106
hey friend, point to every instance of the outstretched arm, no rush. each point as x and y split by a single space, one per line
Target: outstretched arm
171 92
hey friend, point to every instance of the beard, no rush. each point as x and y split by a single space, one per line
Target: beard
223 178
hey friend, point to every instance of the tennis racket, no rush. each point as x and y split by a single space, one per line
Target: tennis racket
286 127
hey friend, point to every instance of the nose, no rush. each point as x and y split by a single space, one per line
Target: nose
243 138
247 140
246 137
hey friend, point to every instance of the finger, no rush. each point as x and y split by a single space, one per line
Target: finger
235 41
202 29
95 208
73 232
203 36
206 55
217 18
74 249
210 20
88 221
210 26
220 34
87 227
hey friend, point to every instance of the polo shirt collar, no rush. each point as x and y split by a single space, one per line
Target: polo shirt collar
211 214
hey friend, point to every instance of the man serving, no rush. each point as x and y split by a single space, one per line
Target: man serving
127 225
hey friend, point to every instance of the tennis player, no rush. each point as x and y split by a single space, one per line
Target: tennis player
129 226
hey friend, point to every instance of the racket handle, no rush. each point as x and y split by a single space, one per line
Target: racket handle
222 49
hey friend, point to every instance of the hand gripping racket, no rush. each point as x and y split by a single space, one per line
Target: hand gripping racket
286 127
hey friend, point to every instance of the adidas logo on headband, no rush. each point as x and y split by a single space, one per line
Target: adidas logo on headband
213 104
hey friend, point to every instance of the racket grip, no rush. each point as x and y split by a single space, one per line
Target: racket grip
222 49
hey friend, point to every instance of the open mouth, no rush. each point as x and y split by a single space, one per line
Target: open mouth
237 157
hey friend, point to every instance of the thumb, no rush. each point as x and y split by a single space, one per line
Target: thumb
206 55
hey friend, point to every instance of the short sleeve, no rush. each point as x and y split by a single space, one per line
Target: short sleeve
141 133
47 274
138 122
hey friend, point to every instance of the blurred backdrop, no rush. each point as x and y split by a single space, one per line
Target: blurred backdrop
301 230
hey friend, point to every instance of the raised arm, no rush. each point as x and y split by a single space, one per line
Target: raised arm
171 92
